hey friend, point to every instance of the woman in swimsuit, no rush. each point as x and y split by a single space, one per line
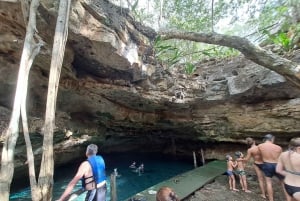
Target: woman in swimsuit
289 166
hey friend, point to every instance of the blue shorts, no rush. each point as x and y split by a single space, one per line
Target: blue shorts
269 170
229 172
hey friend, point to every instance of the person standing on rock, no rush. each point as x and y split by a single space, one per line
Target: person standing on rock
241 171
253 152
270 153
289 167
231 179
92 174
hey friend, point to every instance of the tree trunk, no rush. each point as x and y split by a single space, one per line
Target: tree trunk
288 69
12 1
45 181
30 156
11 134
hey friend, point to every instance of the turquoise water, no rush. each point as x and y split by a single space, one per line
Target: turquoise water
157 168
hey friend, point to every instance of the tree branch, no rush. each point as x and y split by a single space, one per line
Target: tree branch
288 69
11 1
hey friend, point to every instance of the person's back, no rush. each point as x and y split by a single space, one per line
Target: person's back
94 173
88 175
291 161
269 151
255 154
289 167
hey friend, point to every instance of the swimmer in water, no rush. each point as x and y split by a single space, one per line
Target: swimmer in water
141 168
133 165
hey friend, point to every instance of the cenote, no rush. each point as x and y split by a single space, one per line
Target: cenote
158 167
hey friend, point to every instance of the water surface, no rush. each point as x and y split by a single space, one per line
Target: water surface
157 168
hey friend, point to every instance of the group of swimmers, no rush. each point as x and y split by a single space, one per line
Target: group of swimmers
139 169
269 161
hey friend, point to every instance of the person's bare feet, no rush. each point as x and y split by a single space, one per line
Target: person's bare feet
247 191
234 189
263 196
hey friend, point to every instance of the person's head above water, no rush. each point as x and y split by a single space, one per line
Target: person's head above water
166 194
91 150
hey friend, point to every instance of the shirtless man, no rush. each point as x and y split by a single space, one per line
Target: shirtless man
253 152
289 166
270 153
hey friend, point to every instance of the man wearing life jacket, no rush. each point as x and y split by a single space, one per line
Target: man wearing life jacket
92 174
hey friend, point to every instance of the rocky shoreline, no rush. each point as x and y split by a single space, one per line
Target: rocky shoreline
218 190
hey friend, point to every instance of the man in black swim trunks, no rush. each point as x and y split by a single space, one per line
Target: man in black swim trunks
253 152
270 153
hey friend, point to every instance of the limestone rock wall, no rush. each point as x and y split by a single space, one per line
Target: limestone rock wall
110 93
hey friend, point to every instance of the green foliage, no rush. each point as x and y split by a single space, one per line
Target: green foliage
139 14
245 18
169 53
134 6
283 40
189 68
190 15
166 52
273 12
288 39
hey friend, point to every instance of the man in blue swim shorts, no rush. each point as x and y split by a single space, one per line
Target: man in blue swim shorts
270 153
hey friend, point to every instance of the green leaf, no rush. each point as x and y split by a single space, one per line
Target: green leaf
189 68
